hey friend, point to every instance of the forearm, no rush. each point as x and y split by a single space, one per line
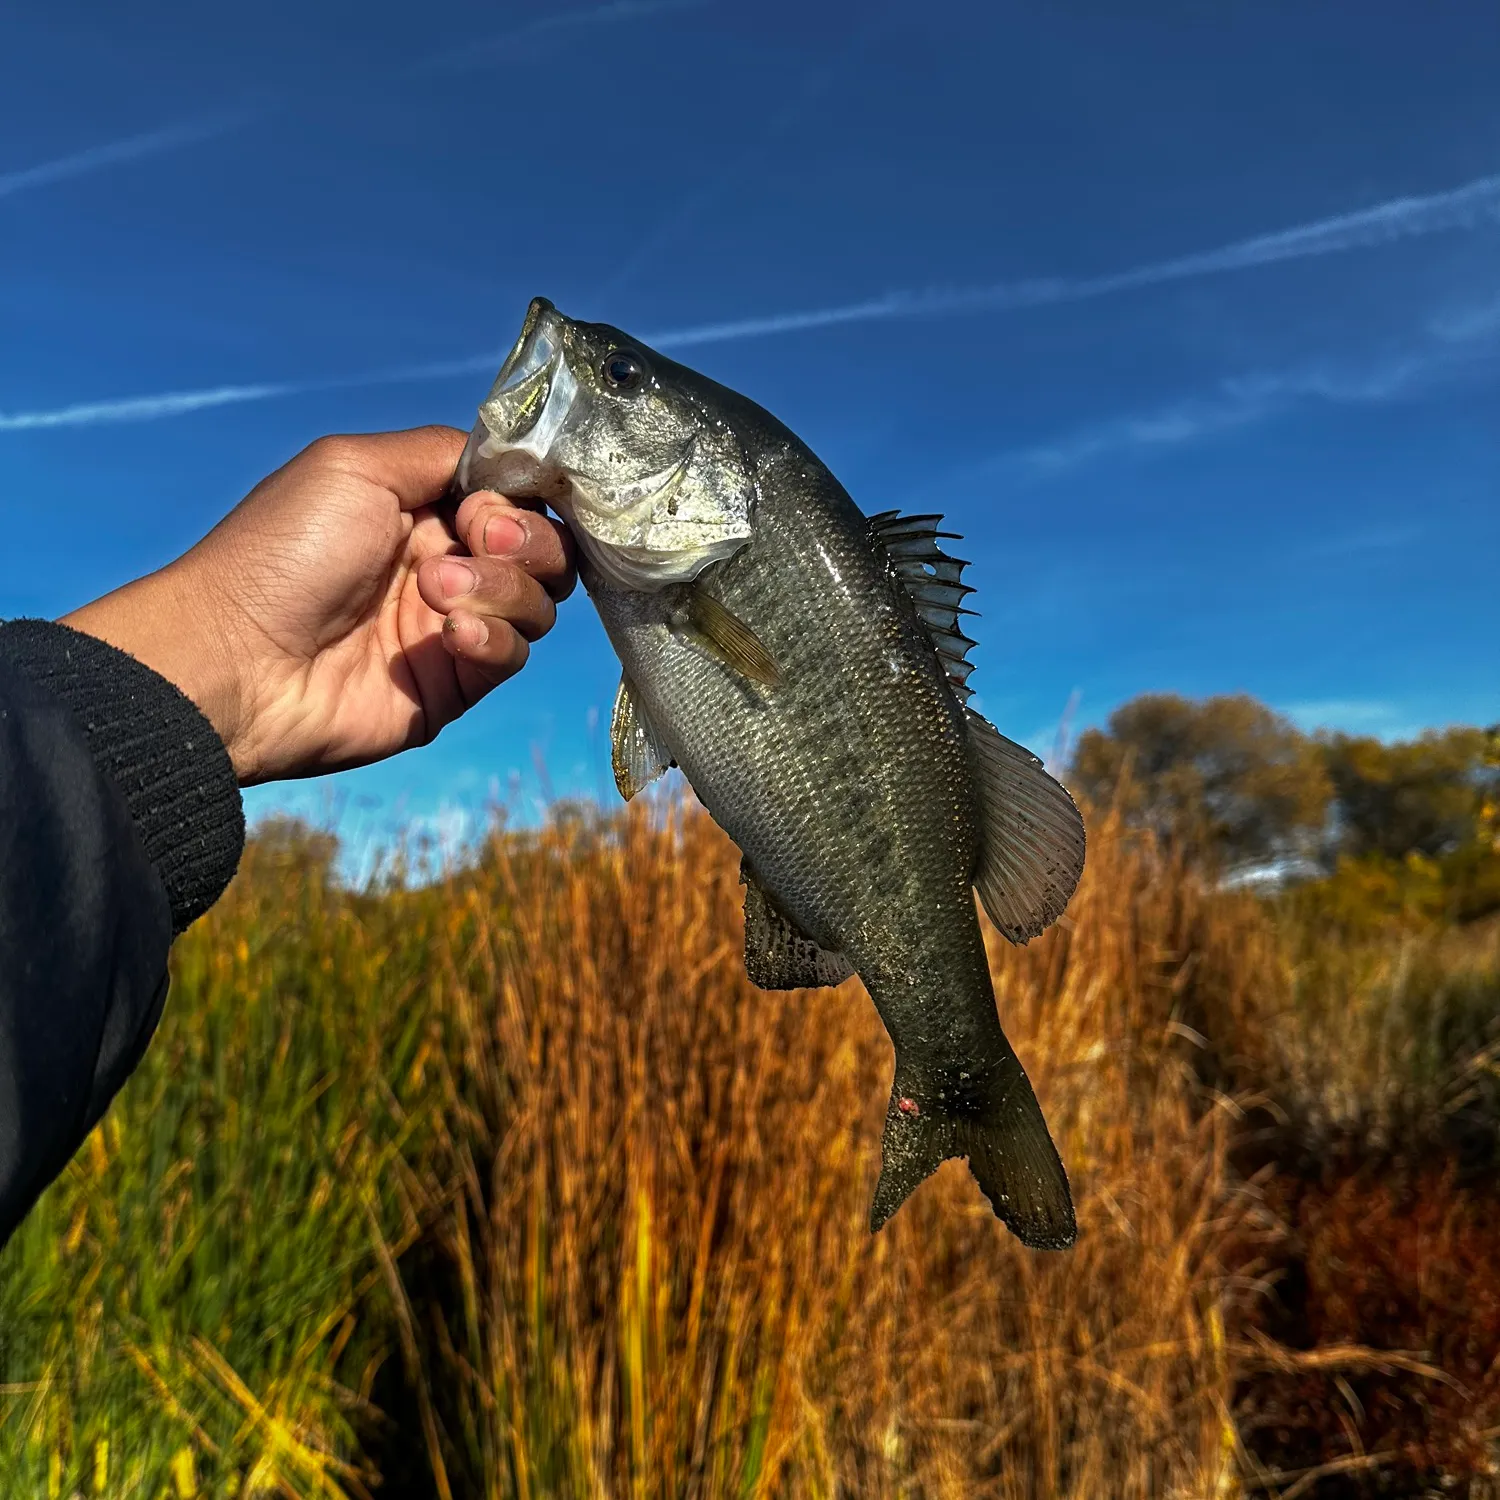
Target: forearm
120 822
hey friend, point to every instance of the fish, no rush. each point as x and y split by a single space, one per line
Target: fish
804 666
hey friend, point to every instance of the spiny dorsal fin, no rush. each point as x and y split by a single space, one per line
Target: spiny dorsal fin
727 637
636 754
1033 839
778 955
935 582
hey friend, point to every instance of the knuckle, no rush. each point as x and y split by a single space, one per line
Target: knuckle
507 654
518 595
335 451
505 583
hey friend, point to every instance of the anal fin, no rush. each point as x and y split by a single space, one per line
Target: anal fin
778 955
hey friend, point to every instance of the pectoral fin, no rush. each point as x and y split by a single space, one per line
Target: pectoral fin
728 638
1033 838
636 753
778 955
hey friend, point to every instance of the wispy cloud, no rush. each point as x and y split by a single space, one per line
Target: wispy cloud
1470 206
130 148
142 408
1450 347
478 52
481 51
728 177
1468 323
179 403
1324 711
1385 721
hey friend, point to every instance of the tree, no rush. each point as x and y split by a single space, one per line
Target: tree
1224 779
1430 796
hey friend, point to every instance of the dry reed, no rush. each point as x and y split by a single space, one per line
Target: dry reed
659 1276
514 1186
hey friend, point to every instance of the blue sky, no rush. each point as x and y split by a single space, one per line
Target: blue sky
1189 318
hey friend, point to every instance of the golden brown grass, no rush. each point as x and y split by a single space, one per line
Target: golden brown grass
660 1278
523 1160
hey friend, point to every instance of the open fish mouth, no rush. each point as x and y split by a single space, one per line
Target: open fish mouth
558 426
532 399
658 528
524 413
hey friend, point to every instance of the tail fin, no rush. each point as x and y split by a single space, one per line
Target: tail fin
1009 1149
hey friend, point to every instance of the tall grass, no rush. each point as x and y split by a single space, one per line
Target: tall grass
189 1303
514 1186
660 1276
1376 1043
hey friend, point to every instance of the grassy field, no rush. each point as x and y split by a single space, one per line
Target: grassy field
514 1186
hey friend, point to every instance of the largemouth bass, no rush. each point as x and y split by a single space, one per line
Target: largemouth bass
803 665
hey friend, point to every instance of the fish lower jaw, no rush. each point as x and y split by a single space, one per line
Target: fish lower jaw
640 570
515 472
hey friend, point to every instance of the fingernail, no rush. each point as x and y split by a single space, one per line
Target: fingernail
455 577
503 535
470 631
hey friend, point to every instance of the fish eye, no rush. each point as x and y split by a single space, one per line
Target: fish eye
623 370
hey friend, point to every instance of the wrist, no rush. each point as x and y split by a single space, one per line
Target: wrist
153 743
155 620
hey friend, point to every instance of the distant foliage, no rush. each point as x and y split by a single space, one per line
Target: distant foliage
1224 779
1409 830
1428 796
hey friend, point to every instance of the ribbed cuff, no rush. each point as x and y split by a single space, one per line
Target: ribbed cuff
154 743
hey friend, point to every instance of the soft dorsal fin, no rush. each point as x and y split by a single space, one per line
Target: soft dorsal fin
935 582
1033 838
778 954
636 753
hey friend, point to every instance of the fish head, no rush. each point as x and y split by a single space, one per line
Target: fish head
626 446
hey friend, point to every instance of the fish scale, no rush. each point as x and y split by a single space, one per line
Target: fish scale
805 671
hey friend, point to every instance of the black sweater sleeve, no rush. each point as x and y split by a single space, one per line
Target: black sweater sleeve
120 822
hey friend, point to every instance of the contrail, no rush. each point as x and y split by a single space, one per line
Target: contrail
617 10
173 137
142 408
872 310
178 403
483 50
1465 207
814 83
115 153
1452 347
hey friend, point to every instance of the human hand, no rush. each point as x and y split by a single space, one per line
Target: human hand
335 616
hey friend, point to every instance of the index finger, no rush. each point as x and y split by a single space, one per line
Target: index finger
490 525
416 465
